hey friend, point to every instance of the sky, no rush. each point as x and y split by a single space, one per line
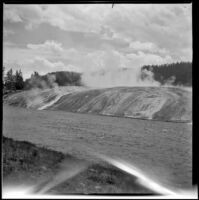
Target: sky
94 37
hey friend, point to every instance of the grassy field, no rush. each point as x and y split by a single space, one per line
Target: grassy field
25 163
162 150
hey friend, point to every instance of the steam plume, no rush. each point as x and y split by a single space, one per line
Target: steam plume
119 77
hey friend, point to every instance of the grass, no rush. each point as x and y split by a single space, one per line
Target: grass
165 156
23 161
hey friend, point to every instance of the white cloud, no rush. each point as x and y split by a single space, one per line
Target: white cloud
112 60
39 64
146 46
72 68
156 34
157 24
48 46
142 58
31 15
7 32
168 26
44 63
65 17
11 15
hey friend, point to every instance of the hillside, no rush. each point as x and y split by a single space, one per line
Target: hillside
39 98
137 102
158 103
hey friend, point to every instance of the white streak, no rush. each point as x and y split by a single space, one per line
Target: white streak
50 103
142 179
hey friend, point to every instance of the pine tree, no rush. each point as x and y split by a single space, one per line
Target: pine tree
19 84
10 80
182 71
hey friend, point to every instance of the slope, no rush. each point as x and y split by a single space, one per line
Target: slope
159 103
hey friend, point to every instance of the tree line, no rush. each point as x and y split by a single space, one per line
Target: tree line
13 81
179 73
50 80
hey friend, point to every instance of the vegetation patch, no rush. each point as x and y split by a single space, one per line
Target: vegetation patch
24 162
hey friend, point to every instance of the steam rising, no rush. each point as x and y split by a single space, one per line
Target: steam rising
112 77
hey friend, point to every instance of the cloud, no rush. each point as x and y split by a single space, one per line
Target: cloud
47 46
146 46
138 22
141 58
68 18
106 32
65 17
11 14
39 64
43 66
97 37
72 68
110 59
29 14
7 32
157 24
42 62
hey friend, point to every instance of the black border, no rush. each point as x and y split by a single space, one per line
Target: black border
95 1
195 64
